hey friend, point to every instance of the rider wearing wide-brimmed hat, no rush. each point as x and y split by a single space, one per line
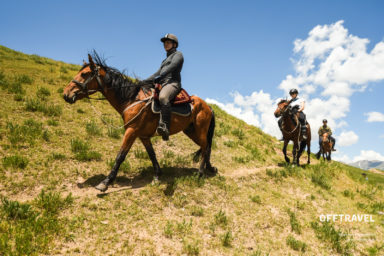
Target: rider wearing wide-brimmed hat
169 77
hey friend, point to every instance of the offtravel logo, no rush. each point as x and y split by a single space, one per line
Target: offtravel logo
346 217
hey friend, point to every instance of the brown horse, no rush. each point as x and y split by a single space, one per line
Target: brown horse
291 130
326 147
131 99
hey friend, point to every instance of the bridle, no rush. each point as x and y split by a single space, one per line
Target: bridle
83 86
282 112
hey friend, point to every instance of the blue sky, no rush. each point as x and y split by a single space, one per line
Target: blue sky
236 53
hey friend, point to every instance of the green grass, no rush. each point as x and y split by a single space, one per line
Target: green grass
296 244
340 241
29 229
295 225
92 129
16 162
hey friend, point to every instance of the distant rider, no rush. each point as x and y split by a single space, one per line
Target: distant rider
325 129
169 77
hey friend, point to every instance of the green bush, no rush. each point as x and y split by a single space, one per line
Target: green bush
321 180
43 93
296 244
23 79
92 129
28 132
338 239
15 161
81 150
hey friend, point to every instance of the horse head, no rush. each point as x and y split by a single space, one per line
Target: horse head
325 137
282 107
86 82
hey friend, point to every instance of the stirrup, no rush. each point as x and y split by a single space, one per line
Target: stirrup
163 131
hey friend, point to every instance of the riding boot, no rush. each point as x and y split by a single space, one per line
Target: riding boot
304 132
333 144
165 120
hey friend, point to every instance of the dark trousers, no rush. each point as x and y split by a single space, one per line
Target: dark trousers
333 140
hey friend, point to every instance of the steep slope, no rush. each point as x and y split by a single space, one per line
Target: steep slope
53 153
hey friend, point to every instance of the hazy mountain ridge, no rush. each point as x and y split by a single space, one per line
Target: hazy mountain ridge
368 164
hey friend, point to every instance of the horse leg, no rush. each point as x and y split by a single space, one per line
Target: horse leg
294 152
309 151
285 151
301 150
129 138
201 133
152 155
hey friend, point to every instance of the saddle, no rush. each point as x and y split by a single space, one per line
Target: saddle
181 98
181 105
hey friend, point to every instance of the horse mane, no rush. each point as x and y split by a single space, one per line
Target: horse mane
281 101
126 88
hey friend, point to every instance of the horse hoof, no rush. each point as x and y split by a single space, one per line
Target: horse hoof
155 181
212 169
102 187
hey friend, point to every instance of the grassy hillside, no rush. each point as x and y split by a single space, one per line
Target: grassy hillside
53 153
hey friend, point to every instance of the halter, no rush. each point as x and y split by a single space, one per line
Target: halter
297 124
83 86
95 74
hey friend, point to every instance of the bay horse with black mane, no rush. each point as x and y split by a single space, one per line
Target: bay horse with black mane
131 99
291 130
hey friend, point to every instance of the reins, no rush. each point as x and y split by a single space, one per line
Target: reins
148 100
290 132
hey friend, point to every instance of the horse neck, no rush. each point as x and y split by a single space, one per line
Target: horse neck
287 119
110 95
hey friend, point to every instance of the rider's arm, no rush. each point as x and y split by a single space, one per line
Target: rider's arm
330 131
302 106
154 75
320 132
177 61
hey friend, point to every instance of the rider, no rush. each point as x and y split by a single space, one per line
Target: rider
298 105
326 129
169 77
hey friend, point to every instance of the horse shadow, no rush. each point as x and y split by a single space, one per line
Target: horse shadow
145 177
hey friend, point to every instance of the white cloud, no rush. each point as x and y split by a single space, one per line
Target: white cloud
347 138
368 155
375 117
342 158
330 66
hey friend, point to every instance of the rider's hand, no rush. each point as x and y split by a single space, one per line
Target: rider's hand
157 79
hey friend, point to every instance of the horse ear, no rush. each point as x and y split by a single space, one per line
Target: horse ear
91 63
84 62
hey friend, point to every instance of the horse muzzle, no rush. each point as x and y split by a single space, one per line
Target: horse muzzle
69 99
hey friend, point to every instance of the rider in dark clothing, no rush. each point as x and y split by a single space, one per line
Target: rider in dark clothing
169 77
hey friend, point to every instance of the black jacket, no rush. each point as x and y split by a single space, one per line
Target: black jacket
170 68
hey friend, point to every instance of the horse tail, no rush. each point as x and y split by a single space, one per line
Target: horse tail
210 134
211 130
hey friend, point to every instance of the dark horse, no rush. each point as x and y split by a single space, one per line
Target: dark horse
326 147
131 99
292 131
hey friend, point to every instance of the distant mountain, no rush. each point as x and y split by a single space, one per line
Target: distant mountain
366 164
